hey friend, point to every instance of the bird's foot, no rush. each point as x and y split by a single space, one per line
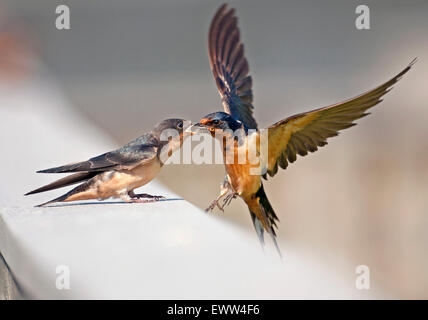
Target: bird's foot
139 200
229 198
214 204
226 202
141 196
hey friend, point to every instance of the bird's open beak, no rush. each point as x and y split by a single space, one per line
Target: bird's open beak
196 128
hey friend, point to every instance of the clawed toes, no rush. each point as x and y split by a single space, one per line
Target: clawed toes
148 196
229 199
147 200
139 200
213 205
220 207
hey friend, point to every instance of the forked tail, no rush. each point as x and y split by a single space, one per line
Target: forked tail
64 182
80 188
268 215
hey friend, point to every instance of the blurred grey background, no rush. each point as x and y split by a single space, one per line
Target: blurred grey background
128 64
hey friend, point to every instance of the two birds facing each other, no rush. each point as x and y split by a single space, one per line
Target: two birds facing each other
119 172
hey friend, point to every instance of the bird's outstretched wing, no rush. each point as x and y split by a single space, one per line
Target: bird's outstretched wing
230 67
305 132
126 157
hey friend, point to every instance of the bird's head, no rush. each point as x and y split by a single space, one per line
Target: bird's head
171 131
218 121
175 124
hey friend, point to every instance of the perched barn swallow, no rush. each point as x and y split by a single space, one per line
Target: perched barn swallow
298 134
117 173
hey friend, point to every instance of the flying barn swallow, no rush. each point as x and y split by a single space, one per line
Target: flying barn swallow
298 134
117 173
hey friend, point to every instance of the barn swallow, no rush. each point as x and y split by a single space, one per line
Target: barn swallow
117 173
298 134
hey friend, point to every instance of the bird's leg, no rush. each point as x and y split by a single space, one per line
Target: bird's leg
225 188
132 197
214 203
229 198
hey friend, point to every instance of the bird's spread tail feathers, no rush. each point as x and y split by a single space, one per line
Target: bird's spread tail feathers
269 216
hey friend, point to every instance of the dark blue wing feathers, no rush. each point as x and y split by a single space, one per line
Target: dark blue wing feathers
230 67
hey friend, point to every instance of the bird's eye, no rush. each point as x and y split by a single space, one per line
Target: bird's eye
215 122
180 125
